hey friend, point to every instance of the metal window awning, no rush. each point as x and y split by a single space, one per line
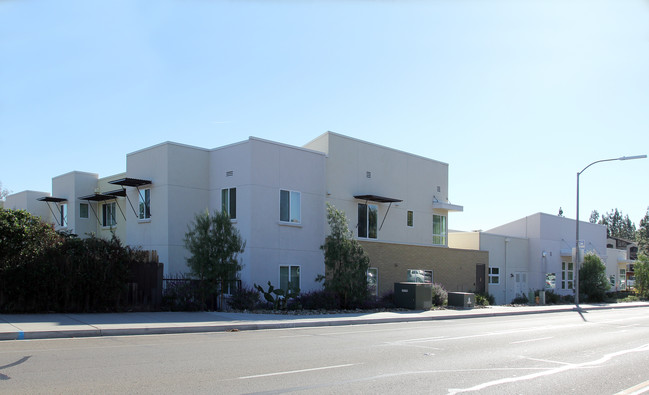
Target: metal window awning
51 199
130 182
377 198
97 197
448 206
116 192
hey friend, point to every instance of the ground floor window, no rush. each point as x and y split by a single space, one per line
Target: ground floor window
373 281
622 279
494 275
419 276
289 276
567 275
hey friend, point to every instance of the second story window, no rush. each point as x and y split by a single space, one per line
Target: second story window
410 219
108 214
289 206
145 204
368 220
439 230
229 202
63 209
83 210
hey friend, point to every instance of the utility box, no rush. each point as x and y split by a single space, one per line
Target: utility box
414 296
465 300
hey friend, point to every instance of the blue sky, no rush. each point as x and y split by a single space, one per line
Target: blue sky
516 96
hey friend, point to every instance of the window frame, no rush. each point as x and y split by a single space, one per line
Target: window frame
426 273
373 289
440 239
567 275
287 209
229 202
290 274
410 219
106 213
144 204
368 221
494 275
63 215
87 210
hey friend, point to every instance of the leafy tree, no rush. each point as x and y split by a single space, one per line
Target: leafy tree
594 217
592 278
24 236
3 192
642 235
214 244
345 261
618 225
641 273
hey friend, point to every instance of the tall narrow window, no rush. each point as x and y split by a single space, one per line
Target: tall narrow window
439 230
145 204
289 206
229 202
409 219
289 276
64 214
108 214
83 210
373 281
567 275
368 218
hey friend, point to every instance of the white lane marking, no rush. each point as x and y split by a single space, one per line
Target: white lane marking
297 371
545 360
605 358
531 340
636 389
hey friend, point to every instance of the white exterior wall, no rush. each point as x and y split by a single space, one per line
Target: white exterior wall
552 241
616 260
394 174
507 253
71 186
179 190
26 200
260 169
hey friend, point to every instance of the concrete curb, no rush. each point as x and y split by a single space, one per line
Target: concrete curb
284 323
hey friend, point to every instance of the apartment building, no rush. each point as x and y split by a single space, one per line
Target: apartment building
396 202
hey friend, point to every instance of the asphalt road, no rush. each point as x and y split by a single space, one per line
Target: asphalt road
599 352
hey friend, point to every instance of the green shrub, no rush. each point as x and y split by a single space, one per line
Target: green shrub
484 299
520 299
319 300
244 299
440 295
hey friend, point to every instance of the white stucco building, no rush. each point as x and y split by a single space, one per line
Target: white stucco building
533 253
396 202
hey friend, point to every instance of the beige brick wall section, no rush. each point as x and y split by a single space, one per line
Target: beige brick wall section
454 268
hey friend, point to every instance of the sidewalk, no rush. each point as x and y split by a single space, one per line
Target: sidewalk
45 326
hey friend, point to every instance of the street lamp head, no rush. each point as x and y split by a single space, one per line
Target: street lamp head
633 157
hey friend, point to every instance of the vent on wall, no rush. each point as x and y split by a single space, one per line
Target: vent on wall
368 174
229 173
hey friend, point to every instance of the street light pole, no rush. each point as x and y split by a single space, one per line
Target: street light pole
577 251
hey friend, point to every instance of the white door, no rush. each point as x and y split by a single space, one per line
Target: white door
520 284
